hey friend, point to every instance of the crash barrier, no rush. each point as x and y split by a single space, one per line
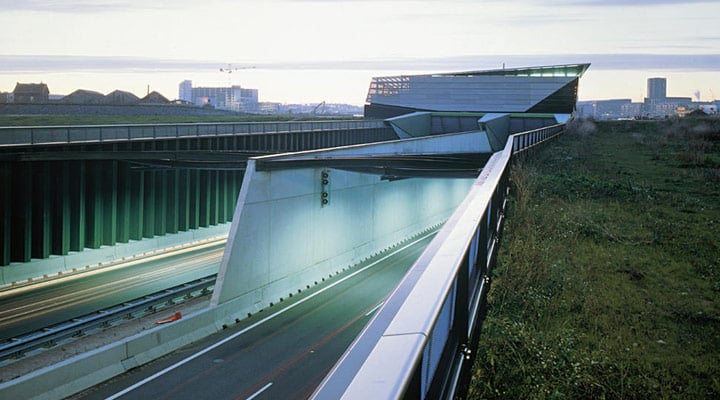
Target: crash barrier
76 327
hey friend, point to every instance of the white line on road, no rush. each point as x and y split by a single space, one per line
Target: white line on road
264 388
375 308
258 323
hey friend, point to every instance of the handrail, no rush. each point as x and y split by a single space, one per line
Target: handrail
418 345
44 135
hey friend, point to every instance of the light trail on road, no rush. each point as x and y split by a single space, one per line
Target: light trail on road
34 307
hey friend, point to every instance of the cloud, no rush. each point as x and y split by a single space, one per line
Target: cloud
679 62
635 3
90 6
53 63
71 6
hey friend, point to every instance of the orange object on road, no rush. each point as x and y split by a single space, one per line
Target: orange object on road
172 318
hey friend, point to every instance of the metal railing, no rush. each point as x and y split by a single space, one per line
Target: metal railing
43 135
47 337
420 343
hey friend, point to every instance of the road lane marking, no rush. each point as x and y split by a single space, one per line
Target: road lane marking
375 308
264 388
258 323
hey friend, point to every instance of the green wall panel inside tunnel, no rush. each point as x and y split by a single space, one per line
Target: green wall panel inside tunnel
148 221
77 196
5 209
42 213
173 198
160 207
123 203
58 207
109 199
21 219
61 210
183 185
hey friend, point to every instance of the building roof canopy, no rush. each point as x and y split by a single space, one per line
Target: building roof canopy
567 70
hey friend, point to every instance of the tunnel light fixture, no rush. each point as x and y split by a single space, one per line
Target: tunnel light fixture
325 188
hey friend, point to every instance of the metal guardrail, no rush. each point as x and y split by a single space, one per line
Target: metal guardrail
43 135
420 344
75 327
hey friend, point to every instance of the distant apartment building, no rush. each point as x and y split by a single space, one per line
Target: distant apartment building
233 98
606 109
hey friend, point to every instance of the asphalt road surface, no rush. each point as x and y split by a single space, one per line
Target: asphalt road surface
34 307
283 352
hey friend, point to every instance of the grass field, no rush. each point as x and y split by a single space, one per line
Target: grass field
609 272
61 120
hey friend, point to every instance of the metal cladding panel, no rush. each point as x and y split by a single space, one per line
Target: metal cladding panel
472 93
561 101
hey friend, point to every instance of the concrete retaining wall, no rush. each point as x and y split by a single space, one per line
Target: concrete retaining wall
283 238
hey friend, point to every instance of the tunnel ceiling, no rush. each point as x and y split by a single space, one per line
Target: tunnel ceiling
459 165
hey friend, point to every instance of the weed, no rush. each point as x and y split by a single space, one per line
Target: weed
608 274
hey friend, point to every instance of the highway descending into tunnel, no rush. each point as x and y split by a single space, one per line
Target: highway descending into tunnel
282 352
33 307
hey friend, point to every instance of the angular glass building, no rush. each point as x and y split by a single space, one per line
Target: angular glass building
549 89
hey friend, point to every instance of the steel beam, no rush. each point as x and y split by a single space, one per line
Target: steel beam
148 221
5 211
124 191
109 198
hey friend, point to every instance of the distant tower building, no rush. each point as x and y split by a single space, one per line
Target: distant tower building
186 91
657 88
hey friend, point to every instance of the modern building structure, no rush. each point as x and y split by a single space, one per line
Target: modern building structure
233 98
548 89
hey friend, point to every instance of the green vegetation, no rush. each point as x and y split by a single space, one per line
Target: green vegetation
609 272
55 120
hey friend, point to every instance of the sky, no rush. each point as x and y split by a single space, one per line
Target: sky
308 51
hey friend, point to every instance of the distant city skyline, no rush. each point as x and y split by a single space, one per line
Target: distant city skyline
308 51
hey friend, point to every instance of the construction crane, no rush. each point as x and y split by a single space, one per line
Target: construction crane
230 69
314 111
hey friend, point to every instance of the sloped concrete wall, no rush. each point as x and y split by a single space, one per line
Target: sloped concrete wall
411 125
283 238
497 127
